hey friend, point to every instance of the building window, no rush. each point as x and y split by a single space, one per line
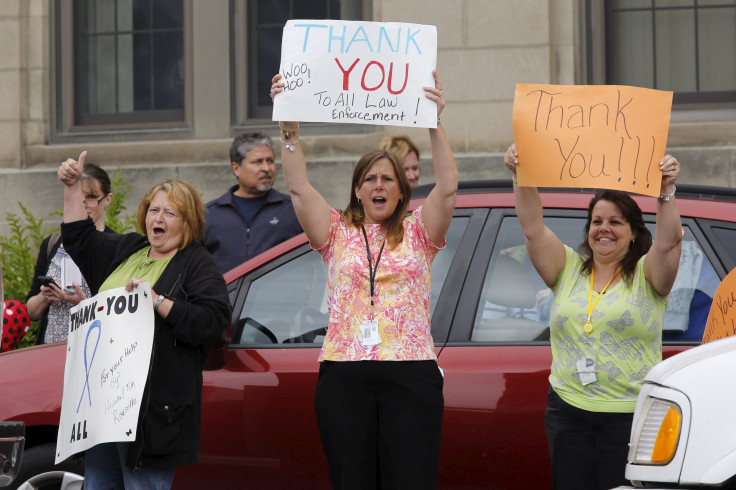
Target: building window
263 23
122 63
687 46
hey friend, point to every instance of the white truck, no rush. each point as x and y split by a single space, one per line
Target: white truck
684 430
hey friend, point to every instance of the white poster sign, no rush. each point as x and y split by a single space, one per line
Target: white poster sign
357 72
107 360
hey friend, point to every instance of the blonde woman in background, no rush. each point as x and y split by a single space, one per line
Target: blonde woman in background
408 153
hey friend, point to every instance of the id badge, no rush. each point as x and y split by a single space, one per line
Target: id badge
586 370
369 329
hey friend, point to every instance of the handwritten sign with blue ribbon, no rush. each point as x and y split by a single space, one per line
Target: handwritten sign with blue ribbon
107 360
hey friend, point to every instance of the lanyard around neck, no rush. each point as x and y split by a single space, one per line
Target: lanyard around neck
372 270
588 328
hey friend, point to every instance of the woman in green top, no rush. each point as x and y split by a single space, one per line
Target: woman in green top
605 324
191 310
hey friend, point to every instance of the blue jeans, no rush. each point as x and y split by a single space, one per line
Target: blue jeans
105 469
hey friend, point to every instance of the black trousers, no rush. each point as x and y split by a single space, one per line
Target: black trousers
588 449
380 423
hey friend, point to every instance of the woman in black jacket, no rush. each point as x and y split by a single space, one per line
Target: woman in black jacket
191 307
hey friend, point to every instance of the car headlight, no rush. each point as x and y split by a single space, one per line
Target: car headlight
660 432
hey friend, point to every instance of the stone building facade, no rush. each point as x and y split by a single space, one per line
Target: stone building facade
485 47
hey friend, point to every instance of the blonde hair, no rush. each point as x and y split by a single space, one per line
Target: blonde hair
354 214
399 145
186 200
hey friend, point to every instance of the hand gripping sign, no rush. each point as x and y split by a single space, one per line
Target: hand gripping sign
597 136
357 72
107 360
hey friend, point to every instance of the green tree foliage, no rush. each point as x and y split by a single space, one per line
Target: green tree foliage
21 246
19 249
115 215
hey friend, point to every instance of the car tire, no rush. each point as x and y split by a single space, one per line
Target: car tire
38 471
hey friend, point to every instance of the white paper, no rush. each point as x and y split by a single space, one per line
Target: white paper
107 361
586 370
357 72
70 274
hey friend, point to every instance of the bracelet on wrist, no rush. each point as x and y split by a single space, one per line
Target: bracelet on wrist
160 299
666 197
288 133
290 144
513 179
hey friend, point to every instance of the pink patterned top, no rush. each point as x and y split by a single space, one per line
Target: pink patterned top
402 290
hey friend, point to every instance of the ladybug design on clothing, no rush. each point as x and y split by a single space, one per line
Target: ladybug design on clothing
15 324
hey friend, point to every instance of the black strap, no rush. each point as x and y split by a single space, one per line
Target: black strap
372 270
52 242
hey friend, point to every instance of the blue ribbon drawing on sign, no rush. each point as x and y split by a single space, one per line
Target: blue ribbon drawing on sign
96 325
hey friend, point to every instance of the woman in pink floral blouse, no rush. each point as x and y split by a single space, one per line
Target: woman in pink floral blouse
379 396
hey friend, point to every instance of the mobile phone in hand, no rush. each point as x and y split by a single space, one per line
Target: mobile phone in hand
47 280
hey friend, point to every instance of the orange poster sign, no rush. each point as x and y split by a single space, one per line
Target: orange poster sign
722 317
597 136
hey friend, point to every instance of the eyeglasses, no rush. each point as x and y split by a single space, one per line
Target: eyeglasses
92 202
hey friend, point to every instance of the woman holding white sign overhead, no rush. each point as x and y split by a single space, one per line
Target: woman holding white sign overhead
379 396
605 324
191 310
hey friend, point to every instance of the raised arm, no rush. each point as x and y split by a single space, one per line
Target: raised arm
663 259
311 208
440 203
70 173
545 250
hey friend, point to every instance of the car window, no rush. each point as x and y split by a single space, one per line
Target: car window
288 304
692 294
724 243
515 302
443 260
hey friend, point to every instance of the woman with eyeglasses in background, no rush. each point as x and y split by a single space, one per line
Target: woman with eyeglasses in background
52 303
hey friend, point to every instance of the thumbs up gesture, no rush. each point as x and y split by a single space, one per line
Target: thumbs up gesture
70 171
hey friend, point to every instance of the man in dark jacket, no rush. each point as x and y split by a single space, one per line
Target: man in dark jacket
250 217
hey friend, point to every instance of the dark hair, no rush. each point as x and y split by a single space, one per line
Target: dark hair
186 200
632 214
92 171
354 215
246 142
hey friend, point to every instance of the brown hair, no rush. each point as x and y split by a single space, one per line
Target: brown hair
632 214
186 200
94 172
400 145
354 215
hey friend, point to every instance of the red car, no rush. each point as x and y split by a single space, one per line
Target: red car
490 331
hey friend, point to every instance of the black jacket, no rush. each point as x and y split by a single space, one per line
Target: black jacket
232 242
171 411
